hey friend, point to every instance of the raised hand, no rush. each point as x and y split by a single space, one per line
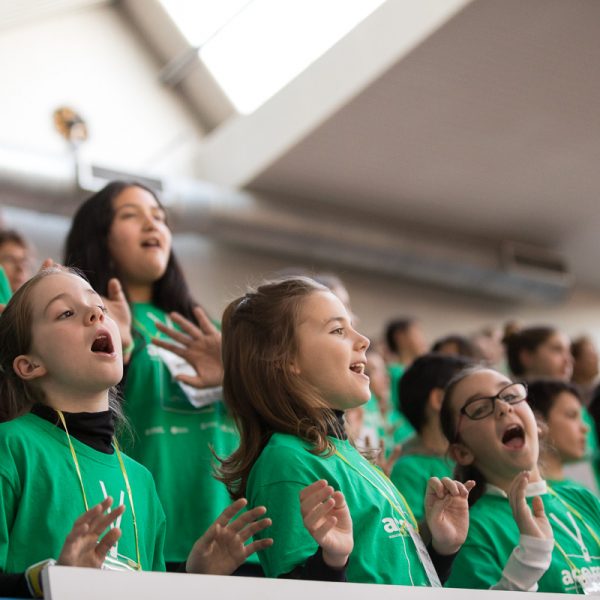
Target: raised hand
222 549
530 521
447 513
386 464
83 546
326 517
199 345
119 312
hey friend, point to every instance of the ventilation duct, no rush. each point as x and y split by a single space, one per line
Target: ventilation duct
510 271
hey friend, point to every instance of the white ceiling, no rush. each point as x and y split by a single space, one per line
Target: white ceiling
490 127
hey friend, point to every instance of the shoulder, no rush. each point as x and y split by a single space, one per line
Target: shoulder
286 457
19 429
578 496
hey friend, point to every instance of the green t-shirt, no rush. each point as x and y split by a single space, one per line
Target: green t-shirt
411 474
493 535
383 551
173 439
5 291
41 497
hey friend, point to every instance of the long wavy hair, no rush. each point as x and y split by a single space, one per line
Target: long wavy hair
260 389
17 396
86 249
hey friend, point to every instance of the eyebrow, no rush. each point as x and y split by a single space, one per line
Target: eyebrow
66 294
332 319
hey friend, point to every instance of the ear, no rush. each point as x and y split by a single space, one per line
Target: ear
461 454
294 367
436 397
28 368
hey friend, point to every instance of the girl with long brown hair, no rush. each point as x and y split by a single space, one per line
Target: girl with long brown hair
293 364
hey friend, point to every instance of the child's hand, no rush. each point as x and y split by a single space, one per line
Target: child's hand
530 521
198 345
221 550
83 546
119 312
447 513
327 518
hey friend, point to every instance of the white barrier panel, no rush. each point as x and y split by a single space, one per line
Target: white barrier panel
69 583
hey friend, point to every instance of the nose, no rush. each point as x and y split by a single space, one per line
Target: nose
362 341
94 315
148 222
503 407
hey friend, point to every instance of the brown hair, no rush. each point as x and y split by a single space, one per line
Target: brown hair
259 388
449 422
16 395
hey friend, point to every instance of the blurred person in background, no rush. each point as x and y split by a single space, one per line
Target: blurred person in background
585 367
15 258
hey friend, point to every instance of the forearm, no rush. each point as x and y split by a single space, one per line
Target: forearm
526 564
441 562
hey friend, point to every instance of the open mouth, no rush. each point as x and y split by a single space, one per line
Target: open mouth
103 344
358 367
514 437
151 243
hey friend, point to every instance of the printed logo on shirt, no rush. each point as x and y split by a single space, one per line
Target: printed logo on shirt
573 531
115 561
395 527
587 578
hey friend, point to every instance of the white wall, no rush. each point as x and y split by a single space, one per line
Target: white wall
90 60
218 273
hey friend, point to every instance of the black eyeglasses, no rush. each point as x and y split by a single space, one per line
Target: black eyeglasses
480 408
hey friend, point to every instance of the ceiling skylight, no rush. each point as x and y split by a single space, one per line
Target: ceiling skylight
254 48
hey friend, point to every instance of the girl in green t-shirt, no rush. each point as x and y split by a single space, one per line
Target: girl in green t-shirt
523 534
60 354
293 364
120 237
557 406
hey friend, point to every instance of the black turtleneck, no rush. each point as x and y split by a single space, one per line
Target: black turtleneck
93 429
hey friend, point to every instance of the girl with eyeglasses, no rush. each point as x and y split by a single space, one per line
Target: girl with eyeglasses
523 534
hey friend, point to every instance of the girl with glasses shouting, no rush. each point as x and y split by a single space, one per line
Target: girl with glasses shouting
523 534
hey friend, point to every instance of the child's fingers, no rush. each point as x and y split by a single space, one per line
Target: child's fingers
253 528
186 325
313 487
450 486
107 542
316 515
230 512
320 532
436 487
246 518
174 348
339 499
257 545
182 338
99 524
538 507
206 325
115 290
470 485
310 502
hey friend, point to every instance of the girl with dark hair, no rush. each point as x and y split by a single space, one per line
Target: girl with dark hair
60 355
122 232
523 534
293 364
557 406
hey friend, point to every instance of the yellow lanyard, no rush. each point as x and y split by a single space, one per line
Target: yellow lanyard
388 492
137 566
574 511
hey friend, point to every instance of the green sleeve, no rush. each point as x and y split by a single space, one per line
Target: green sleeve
292 544
5 291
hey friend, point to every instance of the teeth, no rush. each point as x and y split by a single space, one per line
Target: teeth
358 368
